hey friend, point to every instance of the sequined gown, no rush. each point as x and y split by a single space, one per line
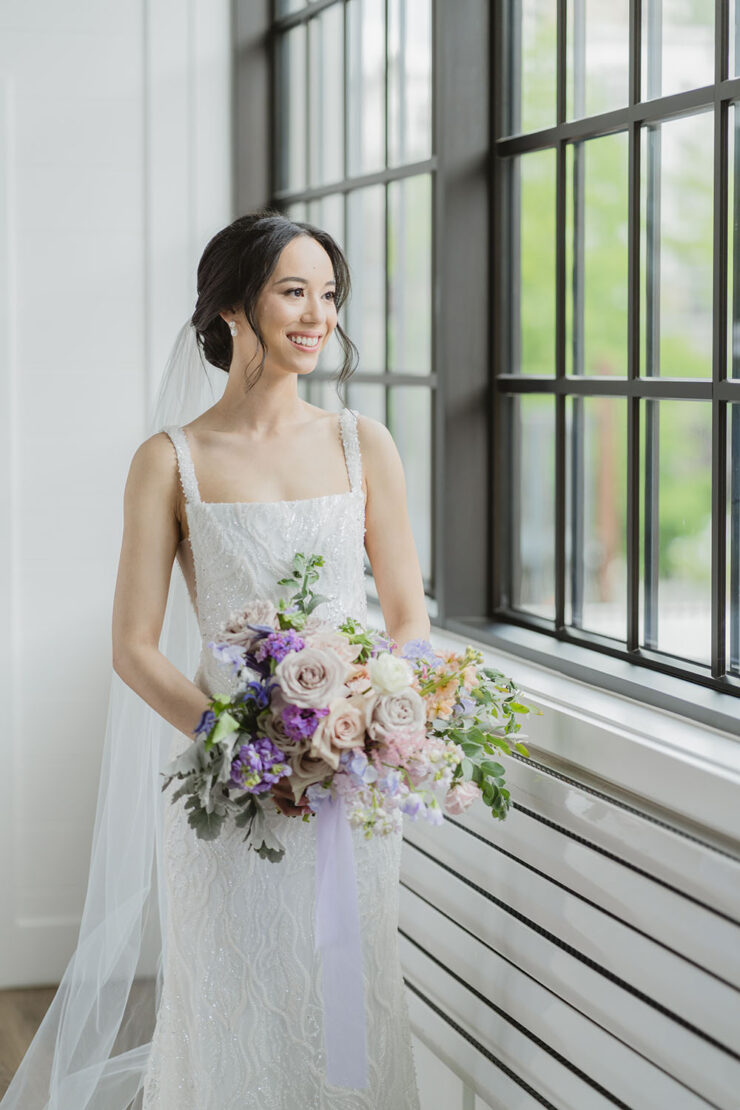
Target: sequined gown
240 1021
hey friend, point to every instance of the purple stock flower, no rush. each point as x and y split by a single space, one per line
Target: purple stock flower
257 766
278 644
300 721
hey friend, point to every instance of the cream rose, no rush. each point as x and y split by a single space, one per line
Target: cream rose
342 728
311 677
329 639
389 673
403 712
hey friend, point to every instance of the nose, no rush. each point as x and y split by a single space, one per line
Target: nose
314 308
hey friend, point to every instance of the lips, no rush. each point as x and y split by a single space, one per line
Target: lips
305 346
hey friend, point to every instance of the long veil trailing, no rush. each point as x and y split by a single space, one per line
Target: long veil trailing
91 1050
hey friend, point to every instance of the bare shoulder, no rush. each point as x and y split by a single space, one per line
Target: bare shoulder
154 465
381 461
376 442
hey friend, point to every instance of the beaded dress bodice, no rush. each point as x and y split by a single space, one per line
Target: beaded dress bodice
241 548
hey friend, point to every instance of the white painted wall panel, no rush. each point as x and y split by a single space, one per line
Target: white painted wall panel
108 112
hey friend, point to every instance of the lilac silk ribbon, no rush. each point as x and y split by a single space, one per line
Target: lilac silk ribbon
338 939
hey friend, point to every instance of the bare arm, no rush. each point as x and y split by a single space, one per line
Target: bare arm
150 538
389 540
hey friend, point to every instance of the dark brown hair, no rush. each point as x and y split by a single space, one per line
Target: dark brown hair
233 270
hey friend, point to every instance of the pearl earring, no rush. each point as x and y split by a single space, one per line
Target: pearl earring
232 328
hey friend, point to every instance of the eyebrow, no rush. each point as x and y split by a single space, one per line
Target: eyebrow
304 280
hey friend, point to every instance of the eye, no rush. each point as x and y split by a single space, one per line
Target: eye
299 289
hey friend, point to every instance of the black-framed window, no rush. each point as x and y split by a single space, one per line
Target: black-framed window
617 305
352 119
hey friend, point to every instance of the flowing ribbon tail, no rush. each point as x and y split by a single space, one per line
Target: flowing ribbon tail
339 942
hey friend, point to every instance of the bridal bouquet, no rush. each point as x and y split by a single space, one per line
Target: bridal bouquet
339 713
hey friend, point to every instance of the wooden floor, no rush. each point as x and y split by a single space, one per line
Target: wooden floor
21 1013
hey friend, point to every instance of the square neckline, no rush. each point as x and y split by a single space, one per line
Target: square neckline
280 501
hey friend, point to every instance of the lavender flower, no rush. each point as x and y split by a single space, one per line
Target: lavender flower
300 721
418 649
228 653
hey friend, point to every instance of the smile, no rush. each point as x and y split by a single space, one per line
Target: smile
306 343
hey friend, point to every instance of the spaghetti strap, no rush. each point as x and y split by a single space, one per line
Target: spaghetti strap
351 444
184 463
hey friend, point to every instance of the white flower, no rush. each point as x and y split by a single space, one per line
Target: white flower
389 674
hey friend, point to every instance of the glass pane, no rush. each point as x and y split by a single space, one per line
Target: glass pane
532 50
366 85
596 235
326 96
324 394
366 257
297 211
532 266
369 400
290 170
285 7
676 260
596 524
733 245
531 528
598 57
409 81
410 424
733 539
410 274
328 213
677 46
676 525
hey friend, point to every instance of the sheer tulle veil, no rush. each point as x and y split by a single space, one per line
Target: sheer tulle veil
91 1049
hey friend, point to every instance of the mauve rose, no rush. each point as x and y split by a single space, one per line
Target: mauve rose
236 631
391 713
311 677
344 727
306 769
274 727
459 797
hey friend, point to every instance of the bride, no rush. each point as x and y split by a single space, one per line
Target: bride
230 496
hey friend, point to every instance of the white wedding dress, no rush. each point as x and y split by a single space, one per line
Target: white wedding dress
240 1020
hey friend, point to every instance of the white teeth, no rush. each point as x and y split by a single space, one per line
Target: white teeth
304 341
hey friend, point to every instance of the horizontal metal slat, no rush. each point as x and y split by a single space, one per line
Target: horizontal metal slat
491 1082
680 1051
691 930
686 990
702 872
528 1059
627 1074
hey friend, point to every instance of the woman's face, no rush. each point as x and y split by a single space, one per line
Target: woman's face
295 310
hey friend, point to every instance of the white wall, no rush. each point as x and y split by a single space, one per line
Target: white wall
115 169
